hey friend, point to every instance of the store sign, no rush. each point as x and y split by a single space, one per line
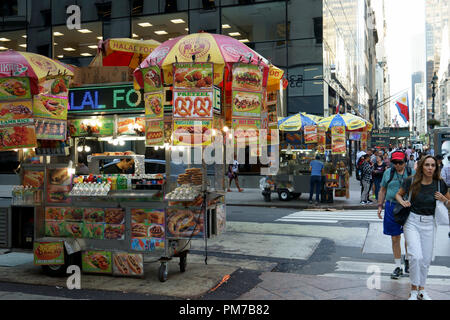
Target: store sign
106 99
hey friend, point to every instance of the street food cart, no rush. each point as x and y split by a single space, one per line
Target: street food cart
306 137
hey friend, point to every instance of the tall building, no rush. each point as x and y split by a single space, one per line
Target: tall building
437 14
416 78
349 56
310 40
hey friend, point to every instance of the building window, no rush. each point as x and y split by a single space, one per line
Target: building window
15 40
318 29
8 8
160 27
76 43
255 23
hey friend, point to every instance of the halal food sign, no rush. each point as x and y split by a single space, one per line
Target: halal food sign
106 99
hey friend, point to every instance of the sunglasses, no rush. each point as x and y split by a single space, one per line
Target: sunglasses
398 162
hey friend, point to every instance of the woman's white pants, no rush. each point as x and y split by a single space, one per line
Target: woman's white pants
419 233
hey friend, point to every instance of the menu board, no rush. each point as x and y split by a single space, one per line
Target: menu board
185 224
147 229
13 110
154 106
131 126
246 128
96 127
247 77
338 142
48 253
33 178
310 134
193 76
59 185
128 264
49 106
17 134
321 139
192 132
152 79
193 104
97 261
364 140
47 129
15 88
154 132
246 104
57 86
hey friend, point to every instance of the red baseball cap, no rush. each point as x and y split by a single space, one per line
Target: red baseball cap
398 155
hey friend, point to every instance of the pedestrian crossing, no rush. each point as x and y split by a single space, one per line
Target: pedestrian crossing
361 270
332 216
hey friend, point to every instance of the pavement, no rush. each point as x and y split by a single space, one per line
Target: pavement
253 197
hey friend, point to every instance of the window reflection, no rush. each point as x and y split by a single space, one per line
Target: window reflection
76 43
160 27
15 40
261 22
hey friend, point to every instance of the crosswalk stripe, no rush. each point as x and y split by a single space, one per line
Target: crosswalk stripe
331 216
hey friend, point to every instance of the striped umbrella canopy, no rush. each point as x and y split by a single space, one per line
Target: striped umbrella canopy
126 52
295 122
31 65
350 121
218 49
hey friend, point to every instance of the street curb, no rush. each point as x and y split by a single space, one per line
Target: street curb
288 206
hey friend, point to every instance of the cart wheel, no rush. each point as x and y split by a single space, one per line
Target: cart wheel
183 262
284 195
163 271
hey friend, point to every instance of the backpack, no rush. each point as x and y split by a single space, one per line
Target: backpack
408 173
358 168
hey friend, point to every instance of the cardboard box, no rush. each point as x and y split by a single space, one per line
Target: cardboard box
95 75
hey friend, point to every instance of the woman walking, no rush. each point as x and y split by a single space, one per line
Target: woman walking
377 174
419 229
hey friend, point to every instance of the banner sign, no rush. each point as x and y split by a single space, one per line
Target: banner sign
117 98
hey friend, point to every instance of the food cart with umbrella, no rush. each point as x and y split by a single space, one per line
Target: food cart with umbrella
297 149
217 83
339 129
33 122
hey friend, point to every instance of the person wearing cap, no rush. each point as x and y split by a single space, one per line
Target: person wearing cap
390 184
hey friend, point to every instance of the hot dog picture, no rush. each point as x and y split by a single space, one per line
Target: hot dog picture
114 231
128 264
192 132
246 103
154 132
33 178
139 230
115 215
247 77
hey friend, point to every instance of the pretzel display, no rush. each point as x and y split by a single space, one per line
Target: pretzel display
200 106
181 223
181 106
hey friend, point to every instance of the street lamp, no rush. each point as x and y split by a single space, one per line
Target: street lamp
433 83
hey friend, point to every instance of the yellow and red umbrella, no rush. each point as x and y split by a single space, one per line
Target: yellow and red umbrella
34 66
126 52
202 47
348 120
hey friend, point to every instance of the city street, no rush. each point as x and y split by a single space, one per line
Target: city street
307 254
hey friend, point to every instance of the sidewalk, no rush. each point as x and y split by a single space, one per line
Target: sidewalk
287 286
253 197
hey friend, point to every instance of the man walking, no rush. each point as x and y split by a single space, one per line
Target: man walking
390 184
366 177
315 183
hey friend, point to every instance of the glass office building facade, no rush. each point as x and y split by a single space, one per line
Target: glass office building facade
298 36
